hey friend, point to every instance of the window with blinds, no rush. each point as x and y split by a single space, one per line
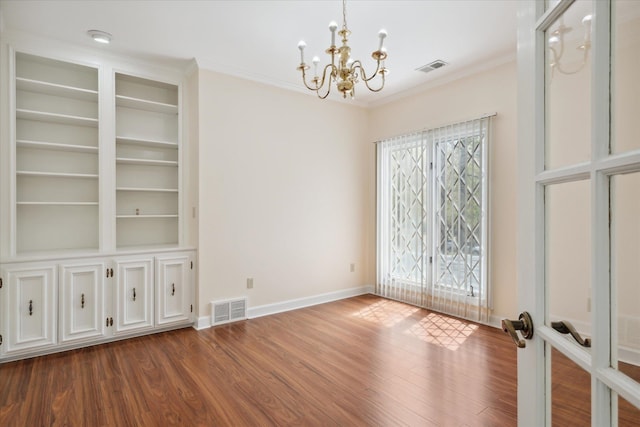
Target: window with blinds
432 219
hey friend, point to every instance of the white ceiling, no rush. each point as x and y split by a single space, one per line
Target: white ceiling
258 39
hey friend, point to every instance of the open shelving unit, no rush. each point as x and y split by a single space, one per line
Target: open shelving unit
147 162
91 200
57 153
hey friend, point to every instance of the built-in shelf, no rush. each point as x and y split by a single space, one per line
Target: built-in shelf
153 190
56 174
146 142
56 89
56 146
56 153
146 216
146 105
55 118
57 203
145 162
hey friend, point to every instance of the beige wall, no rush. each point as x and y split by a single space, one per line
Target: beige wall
281 200
491 91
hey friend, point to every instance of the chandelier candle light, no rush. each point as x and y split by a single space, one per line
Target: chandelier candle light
346 72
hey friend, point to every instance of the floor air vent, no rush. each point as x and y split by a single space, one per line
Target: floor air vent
228 311
432 66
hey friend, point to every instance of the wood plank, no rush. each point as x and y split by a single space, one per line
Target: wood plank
359 362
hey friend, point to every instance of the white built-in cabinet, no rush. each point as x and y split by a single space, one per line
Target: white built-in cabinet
92 183
62 304
29 309
134 295
82 300
173 293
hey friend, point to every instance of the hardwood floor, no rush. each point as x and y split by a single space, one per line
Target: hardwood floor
363 361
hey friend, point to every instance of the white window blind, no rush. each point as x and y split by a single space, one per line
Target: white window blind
432 219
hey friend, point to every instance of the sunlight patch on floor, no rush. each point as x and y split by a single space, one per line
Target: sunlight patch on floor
387 313
445 331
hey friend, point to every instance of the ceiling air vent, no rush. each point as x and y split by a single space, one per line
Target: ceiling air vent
432 66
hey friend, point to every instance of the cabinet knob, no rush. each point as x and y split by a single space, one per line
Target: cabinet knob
134 294
30 307
82 301
173 289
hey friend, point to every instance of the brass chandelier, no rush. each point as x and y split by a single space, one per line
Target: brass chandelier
346 72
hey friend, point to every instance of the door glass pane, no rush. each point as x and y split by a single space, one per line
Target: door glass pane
628 415
570 392
548 4
625 271
568 87
625 46
568 253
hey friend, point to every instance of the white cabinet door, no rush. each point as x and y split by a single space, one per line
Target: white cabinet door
134 294
29 308
173 289
82 301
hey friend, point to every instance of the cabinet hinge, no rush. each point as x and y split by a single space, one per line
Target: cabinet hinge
192 308
430 260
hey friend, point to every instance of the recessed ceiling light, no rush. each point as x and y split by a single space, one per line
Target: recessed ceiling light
100 36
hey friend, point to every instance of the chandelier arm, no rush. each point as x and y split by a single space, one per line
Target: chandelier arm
557 65
358 64
367 80
375 90
304 79
577 70
324 76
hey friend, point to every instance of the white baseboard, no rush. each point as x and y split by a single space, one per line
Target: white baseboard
294 304
204 322
495 321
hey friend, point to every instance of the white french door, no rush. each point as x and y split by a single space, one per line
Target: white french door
579 213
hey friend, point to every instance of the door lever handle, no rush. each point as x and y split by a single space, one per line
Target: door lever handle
565 327
523 324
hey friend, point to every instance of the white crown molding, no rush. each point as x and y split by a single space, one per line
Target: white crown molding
281 84
465 72
97 55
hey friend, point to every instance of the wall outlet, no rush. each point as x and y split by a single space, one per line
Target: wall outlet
250 283
352 267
